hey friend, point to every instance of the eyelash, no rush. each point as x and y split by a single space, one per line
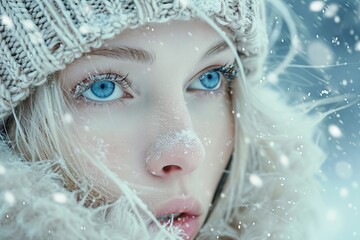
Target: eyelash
227 71
121 80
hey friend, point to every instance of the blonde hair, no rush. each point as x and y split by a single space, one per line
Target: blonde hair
270 191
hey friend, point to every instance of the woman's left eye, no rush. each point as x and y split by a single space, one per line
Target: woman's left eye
209 81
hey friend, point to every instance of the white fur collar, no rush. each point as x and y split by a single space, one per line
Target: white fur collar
36 206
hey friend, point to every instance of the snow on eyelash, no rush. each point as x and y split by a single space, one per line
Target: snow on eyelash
84 85
229 72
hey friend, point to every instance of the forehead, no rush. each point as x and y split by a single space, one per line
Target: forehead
159 46
180 34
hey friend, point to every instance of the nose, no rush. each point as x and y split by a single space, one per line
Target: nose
176 148
177 153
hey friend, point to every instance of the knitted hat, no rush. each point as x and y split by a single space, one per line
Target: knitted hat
39 37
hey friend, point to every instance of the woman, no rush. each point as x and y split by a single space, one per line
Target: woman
147 120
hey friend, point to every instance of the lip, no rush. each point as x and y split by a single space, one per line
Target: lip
190 210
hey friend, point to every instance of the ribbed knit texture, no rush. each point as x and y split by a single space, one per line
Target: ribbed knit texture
39 37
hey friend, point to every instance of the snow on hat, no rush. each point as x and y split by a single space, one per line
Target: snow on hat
39 37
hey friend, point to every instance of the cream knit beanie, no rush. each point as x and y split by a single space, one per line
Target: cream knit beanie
39 37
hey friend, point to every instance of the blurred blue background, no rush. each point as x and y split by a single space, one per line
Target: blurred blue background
330 39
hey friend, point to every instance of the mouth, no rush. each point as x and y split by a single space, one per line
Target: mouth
183 214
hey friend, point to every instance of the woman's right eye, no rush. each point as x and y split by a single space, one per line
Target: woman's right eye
103 88
104 91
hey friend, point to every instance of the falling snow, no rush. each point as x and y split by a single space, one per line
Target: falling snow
85 28
343 170
284 160
2 170
331 49
256 180
316 6
335 131
357 46
59 198
6 20
67 118
331 10
320 54
9 197
344 192
29 25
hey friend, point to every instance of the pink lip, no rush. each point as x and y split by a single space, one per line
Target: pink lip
190 210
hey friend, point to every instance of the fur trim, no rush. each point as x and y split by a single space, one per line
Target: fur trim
34 205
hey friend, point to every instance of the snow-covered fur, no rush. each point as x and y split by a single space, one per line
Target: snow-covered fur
35 205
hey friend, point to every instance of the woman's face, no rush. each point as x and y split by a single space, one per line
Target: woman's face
154 107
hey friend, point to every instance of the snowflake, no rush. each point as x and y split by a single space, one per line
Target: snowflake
59 198
316 6
256 180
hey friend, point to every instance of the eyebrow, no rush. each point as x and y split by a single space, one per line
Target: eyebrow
144 56
125 53
215 49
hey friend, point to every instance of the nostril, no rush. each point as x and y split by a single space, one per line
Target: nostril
171 168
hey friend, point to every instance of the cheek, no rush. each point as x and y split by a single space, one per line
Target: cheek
114 141
213 122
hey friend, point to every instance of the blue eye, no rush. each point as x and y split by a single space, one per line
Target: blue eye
103 91
210 81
